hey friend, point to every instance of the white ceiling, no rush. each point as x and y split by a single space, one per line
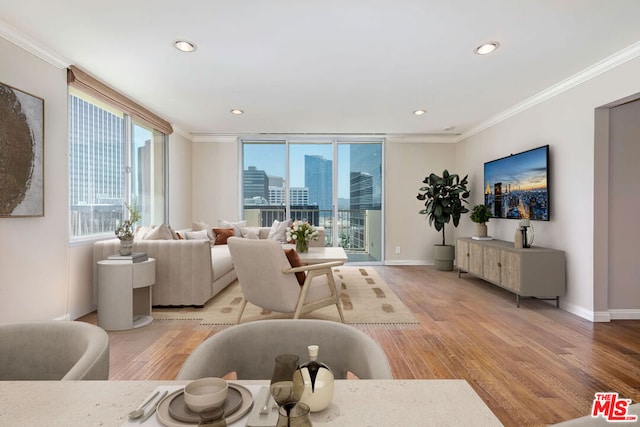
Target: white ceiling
330 66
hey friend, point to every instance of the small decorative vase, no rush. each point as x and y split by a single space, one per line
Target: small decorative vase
481 230
302 245
314 382
125 246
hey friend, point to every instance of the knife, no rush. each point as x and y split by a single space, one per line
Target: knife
146 416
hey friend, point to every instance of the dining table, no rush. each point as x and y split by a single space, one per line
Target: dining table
433 402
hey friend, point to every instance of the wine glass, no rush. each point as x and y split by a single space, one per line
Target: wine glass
282 379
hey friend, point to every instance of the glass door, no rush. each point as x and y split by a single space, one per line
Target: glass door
359 213
333 184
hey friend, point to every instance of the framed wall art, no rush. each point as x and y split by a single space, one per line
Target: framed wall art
21 153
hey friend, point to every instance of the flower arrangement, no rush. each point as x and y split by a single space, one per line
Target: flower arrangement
125 231
301 233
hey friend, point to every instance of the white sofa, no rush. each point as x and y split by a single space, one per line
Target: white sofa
188 272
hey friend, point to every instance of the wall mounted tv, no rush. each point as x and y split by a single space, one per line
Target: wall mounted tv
517 186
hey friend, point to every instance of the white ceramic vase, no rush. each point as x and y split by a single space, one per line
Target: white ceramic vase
314 382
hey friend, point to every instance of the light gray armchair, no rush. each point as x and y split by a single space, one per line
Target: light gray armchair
268 280
53 350
249 350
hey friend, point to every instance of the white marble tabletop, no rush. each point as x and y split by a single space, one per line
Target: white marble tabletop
355 403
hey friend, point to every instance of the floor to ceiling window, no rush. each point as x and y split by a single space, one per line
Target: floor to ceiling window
336 184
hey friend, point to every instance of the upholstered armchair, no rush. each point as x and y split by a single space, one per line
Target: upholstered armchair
268 280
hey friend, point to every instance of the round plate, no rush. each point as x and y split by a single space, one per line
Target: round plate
179 410
163 416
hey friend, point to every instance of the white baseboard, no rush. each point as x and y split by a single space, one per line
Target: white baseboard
407 262
625 314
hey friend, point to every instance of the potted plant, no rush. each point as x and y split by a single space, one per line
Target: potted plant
444 201
125 231
480 214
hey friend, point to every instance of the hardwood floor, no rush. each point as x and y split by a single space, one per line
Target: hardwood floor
532 365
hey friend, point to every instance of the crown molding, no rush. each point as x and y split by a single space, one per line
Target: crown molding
587 74
11 34
425 138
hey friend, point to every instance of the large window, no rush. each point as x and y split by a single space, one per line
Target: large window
114 159
336 184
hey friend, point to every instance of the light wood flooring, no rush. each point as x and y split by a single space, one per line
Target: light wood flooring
532 365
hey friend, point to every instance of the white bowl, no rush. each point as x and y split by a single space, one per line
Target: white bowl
205 393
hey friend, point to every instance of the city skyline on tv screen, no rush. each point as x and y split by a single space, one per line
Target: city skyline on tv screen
517 186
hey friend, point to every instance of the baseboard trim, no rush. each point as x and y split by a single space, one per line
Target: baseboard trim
625 314
407 262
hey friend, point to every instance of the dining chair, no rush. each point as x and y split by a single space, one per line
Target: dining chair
53 350
268 280
249 349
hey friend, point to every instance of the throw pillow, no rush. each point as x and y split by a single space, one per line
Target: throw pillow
222 234
250 232
141 231
201 225
295 261
278 231
160 232
174 234
237 226
196 235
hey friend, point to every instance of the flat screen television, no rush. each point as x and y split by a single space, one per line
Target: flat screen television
517 186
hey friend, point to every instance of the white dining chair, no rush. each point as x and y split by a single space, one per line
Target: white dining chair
53 350
249 349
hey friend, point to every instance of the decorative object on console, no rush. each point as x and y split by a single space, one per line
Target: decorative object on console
527 239
480 214
125 231
301 233
444 202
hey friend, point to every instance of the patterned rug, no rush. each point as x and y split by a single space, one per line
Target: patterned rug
366 299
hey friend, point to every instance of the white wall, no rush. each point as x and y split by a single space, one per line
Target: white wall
34 254
215 181
180 181
566 123
406 165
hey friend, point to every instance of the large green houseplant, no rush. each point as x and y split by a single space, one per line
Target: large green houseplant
444 198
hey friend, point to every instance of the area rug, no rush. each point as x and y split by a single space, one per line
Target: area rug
366 299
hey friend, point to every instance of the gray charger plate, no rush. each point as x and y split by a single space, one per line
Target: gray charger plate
179 410
165 418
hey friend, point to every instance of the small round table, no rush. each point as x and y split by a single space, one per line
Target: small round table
124 293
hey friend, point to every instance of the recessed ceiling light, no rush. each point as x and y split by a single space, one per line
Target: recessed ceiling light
419 112
237 111
487 48
185 46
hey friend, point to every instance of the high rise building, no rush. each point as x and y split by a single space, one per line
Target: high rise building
255 183
318 179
